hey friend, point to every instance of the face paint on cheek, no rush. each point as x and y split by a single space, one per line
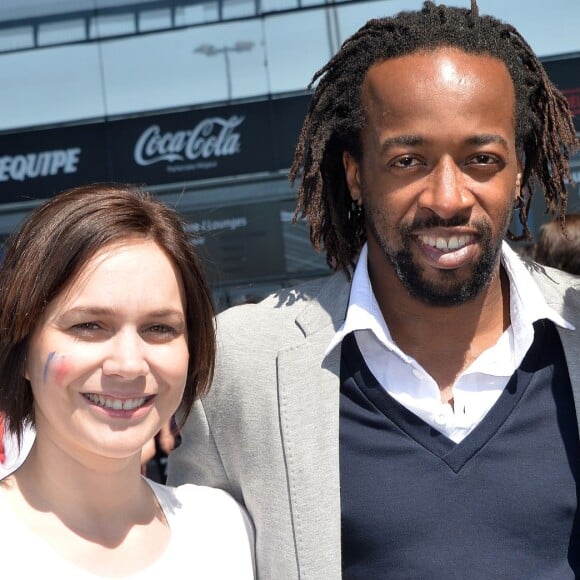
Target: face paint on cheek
62 367
47 364
58 365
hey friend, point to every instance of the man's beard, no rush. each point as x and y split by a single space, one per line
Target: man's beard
448 291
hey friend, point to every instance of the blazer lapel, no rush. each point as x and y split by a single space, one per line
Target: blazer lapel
564 297
309 392
571 343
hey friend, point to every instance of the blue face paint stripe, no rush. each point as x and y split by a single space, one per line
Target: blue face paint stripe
47 364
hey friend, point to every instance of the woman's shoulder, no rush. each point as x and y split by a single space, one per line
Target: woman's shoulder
213 521
199 501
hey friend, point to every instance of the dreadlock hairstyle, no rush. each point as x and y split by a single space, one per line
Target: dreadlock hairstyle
545 133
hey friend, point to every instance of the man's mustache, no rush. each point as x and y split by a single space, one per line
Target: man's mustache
435 221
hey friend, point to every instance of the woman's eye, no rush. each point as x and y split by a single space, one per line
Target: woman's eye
86 329
160 328
161 331
87 326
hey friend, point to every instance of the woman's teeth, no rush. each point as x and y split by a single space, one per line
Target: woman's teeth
116 404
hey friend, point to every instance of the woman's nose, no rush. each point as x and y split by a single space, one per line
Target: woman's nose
126 357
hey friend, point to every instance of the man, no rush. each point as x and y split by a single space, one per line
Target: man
415 414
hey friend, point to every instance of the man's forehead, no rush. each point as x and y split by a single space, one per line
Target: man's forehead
443 68
448 58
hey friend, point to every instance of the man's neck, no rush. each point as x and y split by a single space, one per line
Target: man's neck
445 340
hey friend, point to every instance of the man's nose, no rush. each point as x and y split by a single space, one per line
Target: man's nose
446 193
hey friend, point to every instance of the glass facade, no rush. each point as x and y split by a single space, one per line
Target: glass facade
85 81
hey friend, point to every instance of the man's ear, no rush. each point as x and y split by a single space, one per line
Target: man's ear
518 201
352 173
519 174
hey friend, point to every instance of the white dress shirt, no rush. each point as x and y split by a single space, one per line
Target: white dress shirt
479 386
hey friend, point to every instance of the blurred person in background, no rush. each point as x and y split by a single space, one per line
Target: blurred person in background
559 247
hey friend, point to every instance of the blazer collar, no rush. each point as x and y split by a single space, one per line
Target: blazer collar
327 308
562 293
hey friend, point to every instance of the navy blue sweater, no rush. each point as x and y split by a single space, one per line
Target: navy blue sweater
500 504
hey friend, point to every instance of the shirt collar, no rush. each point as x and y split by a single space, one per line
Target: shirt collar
527 305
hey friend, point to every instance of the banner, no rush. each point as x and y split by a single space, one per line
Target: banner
38 164
154 149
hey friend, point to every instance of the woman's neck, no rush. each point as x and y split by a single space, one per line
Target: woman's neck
99 499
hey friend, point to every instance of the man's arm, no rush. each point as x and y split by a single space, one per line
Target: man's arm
196 459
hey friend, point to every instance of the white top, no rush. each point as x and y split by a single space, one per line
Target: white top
212 538
479 386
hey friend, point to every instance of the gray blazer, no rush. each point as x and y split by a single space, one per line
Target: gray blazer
268 430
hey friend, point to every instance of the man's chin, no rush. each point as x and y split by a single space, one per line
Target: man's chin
442 298
451 289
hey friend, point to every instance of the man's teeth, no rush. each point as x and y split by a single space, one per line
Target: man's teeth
116 404
446 244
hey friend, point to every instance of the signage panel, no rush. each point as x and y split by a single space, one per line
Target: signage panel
198 144
38 164
154 149
239 243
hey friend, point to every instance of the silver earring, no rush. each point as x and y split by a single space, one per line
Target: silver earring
355 211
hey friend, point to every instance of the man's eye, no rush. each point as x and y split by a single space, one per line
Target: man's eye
484 159
406 161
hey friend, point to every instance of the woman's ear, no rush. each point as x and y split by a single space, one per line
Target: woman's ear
25 372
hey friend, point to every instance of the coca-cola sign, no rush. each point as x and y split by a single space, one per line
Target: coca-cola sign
244 139
210 139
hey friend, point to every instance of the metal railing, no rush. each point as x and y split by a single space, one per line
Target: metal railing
174 14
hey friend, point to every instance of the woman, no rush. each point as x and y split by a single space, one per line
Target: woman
107 327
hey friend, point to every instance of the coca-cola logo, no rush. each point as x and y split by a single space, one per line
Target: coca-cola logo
211 137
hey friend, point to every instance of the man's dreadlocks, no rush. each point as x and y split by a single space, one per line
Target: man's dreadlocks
545 132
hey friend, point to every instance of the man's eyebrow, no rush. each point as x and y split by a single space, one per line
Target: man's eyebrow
402 140
416 140
486 139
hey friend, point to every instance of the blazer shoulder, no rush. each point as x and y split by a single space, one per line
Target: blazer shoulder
286 302
561 289
287 313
